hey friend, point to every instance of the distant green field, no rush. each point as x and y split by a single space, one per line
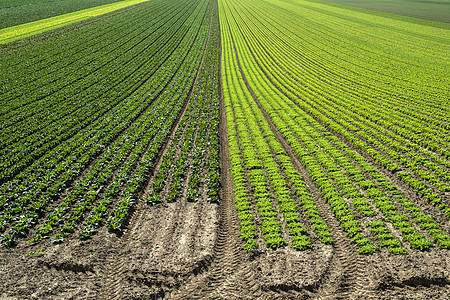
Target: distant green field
16 12
13 33
9 3
432 10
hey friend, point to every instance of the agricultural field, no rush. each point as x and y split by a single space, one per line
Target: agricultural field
433 10
212 149
16 12
20 32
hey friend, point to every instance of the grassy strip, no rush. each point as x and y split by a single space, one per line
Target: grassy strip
10 34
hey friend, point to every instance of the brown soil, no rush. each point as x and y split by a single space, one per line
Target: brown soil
159 256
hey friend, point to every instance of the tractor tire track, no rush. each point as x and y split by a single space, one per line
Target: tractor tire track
228 274
227 250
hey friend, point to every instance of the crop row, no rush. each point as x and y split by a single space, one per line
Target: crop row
21 12
268 191
130 106
107 163
383 133
192 159
356 192
80 109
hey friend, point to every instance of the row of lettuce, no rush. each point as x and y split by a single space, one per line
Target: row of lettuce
86 121
191 168
268 190
333 120
395 128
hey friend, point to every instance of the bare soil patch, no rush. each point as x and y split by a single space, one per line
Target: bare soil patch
160 256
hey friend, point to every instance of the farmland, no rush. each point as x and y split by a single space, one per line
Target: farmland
13 12
18 32
428 10
227 149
